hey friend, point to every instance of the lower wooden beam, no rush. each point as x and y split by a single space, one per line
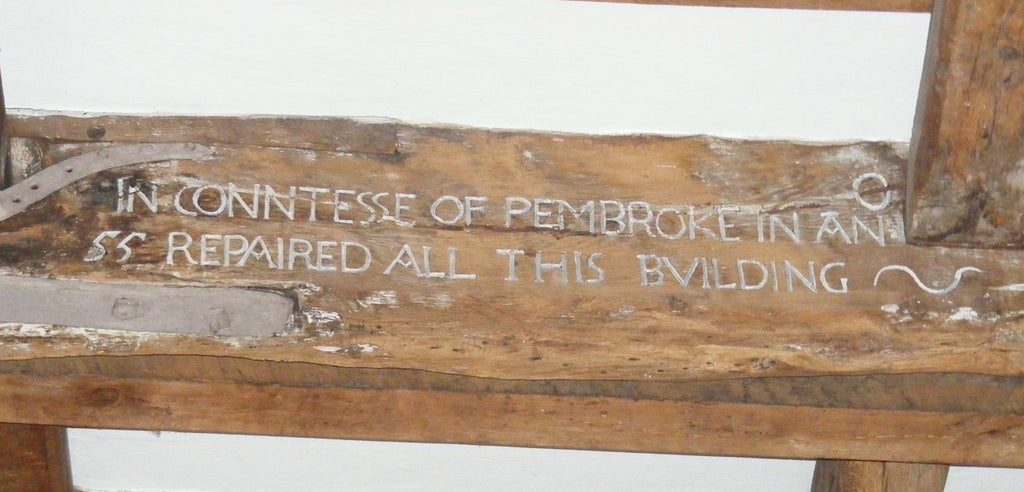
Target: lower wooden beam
34 458
595 423
878 476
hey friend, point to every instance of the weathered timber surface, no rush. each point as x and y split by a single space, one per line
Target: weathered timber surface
966 177
691 295
24 160
523 420
34 458
868 5
368 135
876 476
3 135
793 253
961 393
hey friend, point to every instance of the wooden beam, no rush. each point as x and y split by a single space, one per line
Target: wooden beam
148 392
868 5
939 393
367 135
34 458
878 476
828 286
597 423
3 138
966 175
633 293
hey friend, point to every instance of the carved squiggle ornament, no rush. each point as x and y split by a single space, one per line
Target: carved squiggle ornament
957 278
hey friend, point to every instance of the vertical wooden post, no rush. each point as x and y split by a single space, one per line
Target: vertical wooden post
34 458
966 175
3 136
877 476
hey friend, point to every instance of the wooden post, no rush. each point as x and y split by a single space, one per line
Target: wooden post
877 476
3 137
966 174
34 458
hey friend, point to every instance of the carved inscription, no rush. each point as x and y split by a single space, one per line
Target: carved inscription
537 256
872 224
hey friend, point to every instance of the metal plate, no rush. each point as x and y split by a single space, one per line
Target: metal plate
144 308
19 197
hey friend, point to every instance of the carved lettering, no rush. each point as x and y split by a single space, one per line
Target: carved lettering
712 269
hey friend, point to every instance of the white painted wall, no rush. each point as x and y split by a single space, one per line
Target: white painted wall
567 66
575 66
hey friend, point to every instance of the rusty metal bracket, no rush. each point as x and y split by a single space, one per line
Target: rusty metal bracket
19 197
127 307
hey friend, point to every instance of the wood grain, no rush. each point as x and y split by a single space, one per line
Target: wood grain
867 5
898 353
519 420
34 458
24 158
875 476
3 136
490 327
367 135
961 393
965 179
915 477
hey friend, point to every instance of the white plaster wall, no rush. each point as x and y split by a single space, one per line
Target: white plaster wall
568 66
109 461
258 464
587 67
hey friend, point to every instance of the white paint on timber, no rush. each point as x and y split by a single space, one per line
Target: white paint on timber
624 312
359 348
388 298
964 314
439 301
28 329
96 339
853 155
317 316
1015 178
99 340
